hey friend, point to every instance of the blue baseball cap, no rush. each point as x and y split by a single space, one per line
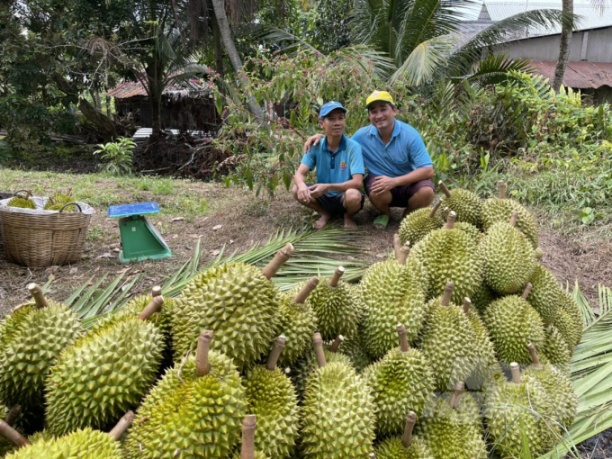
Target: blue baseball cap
328 107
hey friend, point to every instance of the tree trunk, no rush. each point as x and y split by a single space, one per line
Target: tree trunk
232 52
105 126
155 89
564 47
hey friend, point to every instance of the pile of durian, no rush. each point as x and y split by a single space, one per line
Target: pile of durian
457 346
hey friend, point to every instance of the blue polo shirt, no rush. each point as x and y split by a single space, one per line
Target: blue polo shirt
338 166
404 153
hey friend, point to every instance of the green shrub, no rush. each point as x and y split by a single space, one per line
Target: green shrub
117 155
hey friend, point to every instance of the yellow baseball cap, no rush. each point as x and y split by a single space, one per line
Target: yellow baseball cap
379 95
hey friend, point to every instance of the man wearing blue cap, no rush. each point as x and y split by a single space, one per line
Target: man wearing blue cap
339 171
400 170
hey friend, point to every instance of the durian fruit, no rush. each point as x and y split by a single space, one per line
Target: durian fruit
450 255
401 381
519 414
272 398
236 300
556 350
451 426
546 293
500 209
447 342
337 413
31 339
405 447
487 366
559 387
333 305
512 325
247 448
393 292
466 204
509 259
416 225
194 411
568 321
58 200
104 373
84 443
297 321
22 202
355 349
483 297
473 233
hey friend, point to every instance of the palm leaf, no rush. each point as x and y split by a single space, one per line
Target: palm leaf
422 63
591 368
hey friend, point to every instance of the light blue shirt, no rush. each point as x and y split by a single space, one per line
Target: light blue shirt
404 153
338 166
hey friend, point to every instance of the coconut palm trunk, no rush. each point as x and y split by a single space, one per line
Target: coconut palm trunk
564 48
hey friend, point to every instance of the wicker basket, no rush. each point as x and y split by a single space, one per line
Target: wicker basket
37 238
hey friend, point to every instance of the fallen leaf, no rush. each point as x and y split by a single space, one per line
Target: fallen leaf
216 252
105 255
73 271
177 219
216 227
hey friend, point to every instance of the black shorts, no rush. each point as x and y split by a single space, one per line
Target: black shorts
400 195
334 203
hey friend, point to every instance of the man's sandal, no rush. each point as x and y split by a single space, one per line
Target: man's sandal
381 221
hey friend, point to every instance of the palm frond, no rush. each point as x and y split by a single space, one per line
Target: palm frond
591 368
422 63
497 68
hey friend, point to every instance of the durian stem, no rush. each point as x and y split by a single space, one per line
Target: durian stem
459 388
277 348
516 372
311 284
435 208
527 291
247 451
156 291
397 246
12 435
444 189
336 277
38 296
448 293
501 189
202 365
154 306
535 360
467 304
12 414
450 220
336 344
124 424
317 342
410 422
513 219
279 259
403 338
403 253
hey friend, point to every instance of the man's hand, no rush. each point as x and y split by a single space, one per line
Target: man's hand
303 194
382 184
318 189
312 140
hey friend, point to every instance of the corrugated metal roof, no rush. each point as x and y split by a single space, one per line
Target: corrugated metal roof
181 89
578 74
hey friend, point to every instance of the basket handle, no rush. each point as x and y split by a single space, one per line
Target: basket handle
28 193
72 204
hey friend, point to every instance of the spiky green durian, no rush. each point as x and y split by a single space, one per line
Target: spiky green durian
568 321
466 204
402 381
447 342
272 398
519 413
513 324
545 293
297 321
509 259
355 349
450 255
194 411
556 349
559 387
247 447
103 374
416 225
473 233
451 427
405 447
393 292
31 339
333 305
236 300
22 203
59 200
500 209
337 413
483 297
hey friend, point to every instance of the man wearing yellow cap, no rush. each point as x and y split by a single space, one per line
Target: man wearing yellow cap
399 168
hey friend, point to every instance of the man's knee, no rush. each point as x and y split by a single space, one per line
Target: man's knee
352 197
425 195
